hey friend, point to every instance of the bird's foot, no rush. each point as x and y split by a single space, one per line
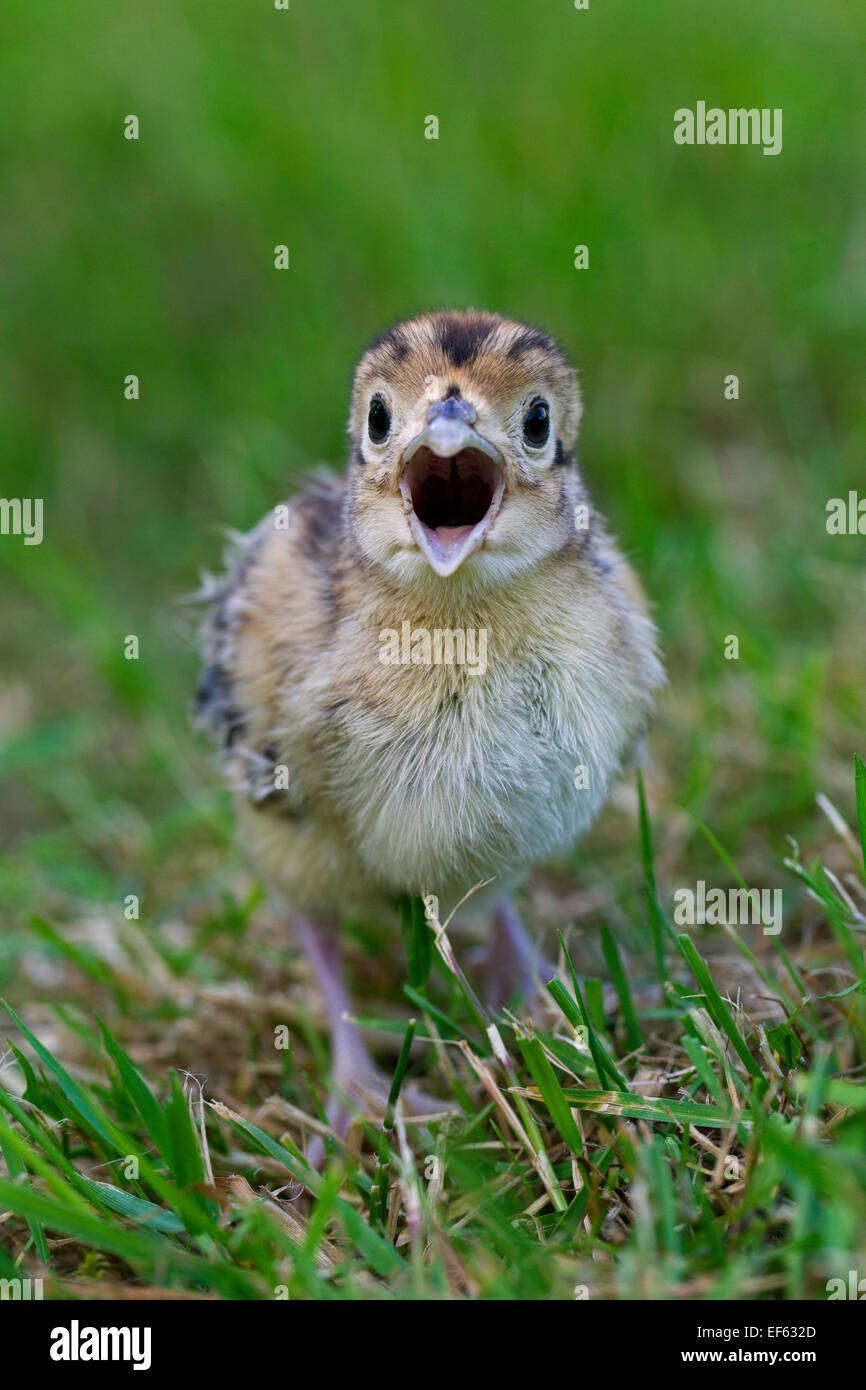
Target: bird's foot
365 1093
359 1088
362 1094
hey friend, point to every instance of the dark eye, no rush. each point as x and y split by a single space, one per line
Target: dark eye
378 420
536 423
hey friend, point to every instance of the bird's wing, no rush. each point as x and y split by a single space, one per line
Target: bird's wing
268 617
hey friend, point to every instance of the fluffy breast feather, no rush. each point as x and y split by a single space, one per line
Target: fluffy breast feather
416 776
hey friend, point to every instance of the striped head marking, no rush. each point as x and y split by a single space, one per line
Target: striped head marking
463 429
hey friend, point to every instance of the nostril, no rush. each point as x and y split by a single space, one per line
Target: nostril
452 409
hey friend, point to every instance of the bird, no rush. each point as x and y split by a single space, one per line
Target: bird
427 673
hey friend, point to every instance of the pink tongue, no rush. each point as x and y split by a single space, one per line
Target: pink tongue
449 535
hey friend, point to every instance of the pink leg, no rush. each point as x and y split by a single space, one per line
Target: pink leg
359 1085
354 1073
515 965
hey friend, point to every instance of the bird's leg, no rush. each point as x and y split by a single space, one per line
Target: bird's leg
360 1087
515 965
354 1074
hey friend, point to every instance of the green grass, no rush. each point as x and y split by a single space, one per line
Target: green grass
601 1165
723 1155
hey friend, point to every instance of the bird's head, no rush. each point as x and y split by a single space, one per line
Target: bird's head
463 430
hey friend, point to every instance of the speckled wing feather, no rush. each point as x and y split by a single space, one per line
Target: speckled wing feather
267 617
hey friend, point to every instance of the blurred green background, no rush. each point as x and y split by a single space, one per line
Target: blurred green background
306 127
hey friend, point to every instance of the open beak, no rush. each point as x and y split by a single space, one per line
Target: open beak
452 481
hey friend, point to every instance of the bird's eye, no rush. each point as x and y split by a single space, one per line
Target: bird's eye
378 420
536 423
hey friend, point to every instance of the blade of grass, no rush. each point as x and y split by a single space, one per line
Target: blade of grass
663 1191
634 1038
145 1251
860 793
547 1082
427 1007
16 1168
139 1093
186 1160
115 1143
379 1190
790 969
419 943
664 1111
135 1209
74 1093
379 1252
656 916
716 1006
604 1063
701 1063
